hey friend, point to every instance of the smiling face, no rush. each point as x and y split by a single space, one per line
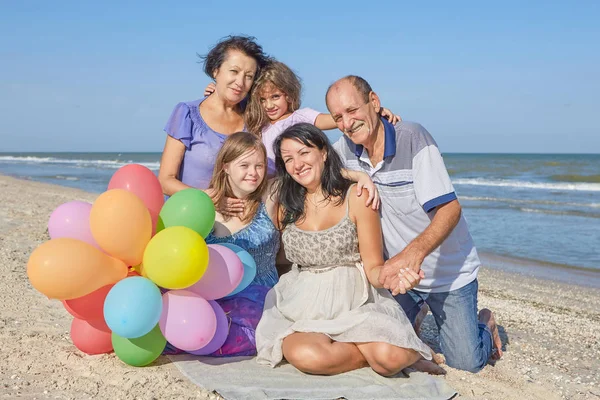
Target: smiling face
235 76
246 173
275 103
357 119
303 163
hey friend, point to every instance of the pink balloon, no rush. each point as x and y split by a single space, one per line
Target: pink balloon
220 334
72 220
142 182
224 273
187 321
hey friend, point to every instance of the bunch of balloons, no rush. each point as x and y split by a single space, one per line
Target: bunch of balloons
135 271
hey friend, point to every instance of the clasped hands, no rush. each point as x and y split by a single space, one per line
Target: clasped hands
401 273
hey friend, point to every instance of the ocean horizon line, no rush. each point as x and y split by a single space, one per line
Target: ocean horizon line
158 152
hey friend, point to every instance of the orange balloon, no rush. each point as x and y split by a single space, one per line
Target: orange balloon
121 225
67 268
142 182
89 339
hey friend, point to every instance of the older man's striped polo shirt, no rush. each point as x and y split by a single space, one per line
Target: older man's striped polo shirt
412 181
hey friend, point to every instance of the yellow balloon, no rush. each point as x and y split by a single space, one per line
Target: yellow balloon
175 258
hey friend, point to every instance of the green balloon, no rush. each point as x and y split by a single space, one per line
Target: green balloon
140 351
191 208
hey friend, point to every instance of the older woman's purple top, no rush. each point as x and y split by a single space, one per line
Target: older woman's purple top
201 143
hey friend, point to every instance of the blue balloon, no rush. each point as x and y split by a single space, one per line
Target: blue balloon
249 267
132 307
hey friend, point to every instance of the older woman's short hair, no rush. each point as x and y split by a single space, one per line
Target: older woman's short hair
245 44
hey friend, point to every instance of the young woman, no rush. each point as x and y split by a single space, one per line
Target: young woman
326 316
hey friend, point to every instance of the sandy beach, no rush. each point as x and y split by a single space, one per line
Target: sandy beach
550 329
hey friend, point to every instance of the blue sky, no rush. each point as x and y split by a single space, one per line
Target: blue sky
103 76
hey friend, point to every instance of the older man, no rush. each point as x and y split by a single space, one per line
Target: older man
430 254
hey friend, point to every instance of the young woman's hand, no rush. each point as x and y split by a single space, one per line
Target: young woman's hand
390 116
365 182
210 89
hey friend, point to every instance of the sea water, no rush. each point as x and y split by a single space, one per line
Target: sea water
539 207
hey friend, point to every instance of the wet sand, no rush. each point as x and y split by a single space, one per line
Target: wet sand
550 328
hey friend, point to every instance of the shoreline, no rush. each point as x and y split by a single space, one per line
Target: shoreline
550 328
580 276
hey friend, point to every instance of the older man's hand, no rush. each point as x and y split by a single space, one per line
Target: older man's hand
402 272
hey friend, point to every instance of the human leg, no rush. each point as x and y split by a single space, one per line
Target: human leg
316 353
466 343
412 303
487 317
420 318
387 359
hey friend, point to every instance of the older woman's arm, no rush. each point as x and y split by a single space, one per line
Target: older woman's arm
370 240
170 163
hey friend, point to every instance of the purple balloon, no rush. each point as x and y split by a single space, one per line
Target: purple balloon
223 274
72 220
220 334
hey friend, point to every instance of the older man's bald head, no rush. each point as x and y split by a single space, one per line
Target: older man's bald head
359 83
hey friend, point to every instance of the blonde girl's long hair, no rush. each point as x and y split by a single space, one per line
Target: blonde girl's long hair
235 146
282 77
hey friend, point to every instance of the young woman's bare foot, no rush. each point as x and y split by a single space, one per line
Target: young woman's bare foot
428 366
419 319
487 317
437 358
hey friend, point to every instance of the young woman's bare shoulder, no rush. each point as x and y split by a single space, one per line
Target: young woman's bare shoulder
358 205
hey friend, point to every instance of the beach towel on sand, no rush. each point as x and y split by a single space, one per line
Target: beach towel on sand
237 378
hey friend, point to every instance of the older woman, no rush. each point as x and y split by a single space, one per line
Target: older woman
197 129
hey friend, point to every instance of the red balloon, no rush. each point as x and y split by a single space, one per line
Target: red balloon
99 324
89 339
90 306
70 310
142 182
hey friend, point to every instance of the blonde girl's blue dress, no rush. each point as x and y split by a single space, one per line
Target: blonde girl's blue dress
261 239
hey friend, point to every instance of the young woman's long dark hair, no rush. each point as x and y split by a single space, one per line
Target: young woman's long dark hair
291 193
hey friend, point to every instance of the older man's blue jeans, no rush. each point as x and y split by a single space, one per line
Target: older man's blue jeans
465 342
